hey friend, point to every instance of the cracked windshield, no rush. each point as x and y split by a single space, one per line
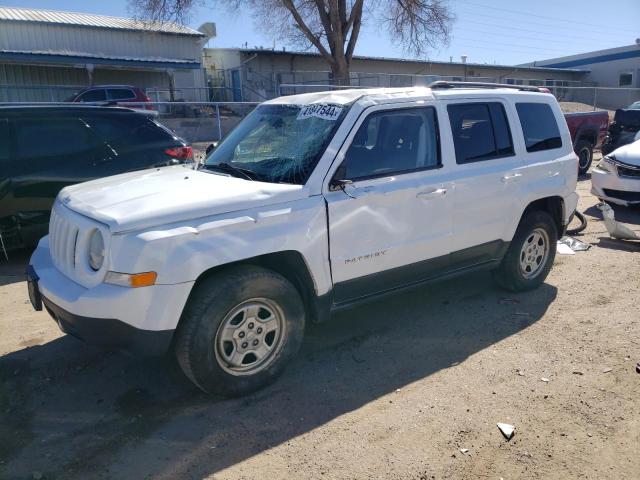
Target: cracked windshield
277 143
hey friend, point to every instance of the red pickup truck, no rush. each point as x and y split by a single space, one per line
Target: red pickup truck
588 131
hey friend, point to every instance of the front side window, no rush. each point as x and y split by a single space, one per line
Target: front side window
539 126
278 143
480 131
97 95
394 142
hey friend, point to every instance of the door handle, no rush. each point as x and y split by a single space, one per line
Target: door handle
510 176
554 174
438 192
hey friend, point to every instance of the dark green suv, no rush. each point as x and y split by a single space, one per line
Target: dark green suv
43 149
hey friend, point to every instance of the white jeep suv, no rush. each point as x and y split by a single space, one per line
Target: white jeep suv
314 202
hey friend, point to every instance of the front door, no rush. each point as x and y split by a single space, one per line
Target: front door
391 226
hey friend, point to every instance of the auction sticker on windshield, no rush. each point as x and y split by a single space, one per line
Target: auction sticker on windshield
325 112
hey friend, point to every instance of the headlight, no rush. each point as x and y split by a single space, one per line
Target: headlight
607 165
96 250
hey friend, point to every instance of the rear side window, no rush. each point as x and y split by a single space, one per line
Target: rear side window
120 94
122 131
480 131
394 142
53 137
93 96
4 139
539 126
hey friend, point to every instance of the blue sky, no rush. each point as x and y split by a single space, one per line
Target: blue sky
487 31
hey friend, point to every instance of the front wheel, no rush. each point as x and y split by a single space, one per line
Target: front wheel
239 330
530 255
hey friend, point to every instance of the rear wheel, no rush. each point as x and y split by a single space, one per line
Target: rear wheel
239 330
584 151
530 255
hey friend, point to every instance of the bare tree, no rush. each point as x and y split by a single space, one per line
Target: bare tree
331 27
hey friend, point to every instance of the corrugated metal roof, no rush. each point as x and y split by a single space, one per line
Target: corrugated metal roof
91 20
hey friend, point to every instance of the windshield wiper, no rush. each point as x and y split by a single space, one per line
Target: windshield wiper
228 168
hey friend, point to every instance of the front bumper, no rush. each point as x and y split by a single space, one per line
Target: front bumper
139 320
614 189
110 332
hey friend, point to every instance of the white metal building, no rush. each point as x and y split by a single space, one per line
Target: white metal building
41 48
256 74
617 68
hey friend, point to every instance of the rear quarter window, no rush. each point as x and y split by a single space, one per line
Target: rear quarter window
129 131
539 126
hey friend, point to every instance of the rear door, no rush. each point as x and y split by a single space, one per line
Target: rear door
487 176
392 225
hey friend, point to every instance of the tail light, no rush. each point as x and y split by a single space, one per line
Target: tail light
146 98
181 153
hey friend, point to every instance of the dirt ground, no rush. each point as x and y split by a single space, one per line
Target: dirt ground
393 389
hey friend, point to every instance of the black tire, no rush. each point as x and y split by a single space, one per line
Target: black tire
584 151
211 303
510 274
583 224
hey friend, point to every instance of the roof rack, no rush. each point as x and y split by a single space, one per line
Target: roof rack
444 84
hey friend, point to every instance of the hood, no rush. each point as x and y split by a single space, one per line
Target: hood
170 194
629 154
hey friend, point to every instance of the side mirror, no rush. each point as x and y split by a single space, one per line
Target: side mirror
210 148
338 182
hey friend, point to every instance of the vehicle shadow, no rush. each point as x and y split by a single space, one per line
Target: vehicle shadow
74 412
616 244
12 270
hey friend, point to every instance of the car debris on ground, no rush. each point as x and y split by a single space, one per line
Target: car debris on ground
616 229
574 244
507 430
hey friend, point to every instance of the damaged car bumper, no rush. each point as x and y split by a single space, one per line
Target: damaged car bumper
617 183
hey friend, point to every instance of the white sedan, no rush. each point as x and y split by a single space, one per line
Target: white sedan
616 178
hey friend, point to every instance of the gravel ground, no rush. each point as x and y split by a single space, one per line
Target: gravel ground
393 389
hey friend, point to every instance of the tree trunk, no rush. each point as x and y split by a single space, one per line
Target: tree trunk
340 71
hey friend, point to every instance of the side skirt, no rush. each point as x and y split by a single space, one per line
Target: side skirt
361 290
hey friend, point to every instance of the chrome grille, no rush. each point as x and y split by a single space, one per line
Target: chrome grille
63 236
625 170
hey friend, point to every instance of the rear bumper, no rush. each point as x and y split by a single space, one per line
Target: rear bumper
110 332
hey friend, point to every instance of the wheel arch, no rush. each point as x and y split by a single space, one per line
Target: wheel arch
587 134
292 265
554 206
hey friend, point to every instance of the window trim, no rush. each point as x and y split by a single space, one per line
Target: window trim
524 137
493 129
396 172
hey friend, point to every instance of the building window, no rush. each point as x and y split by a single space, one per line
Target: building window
625 79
